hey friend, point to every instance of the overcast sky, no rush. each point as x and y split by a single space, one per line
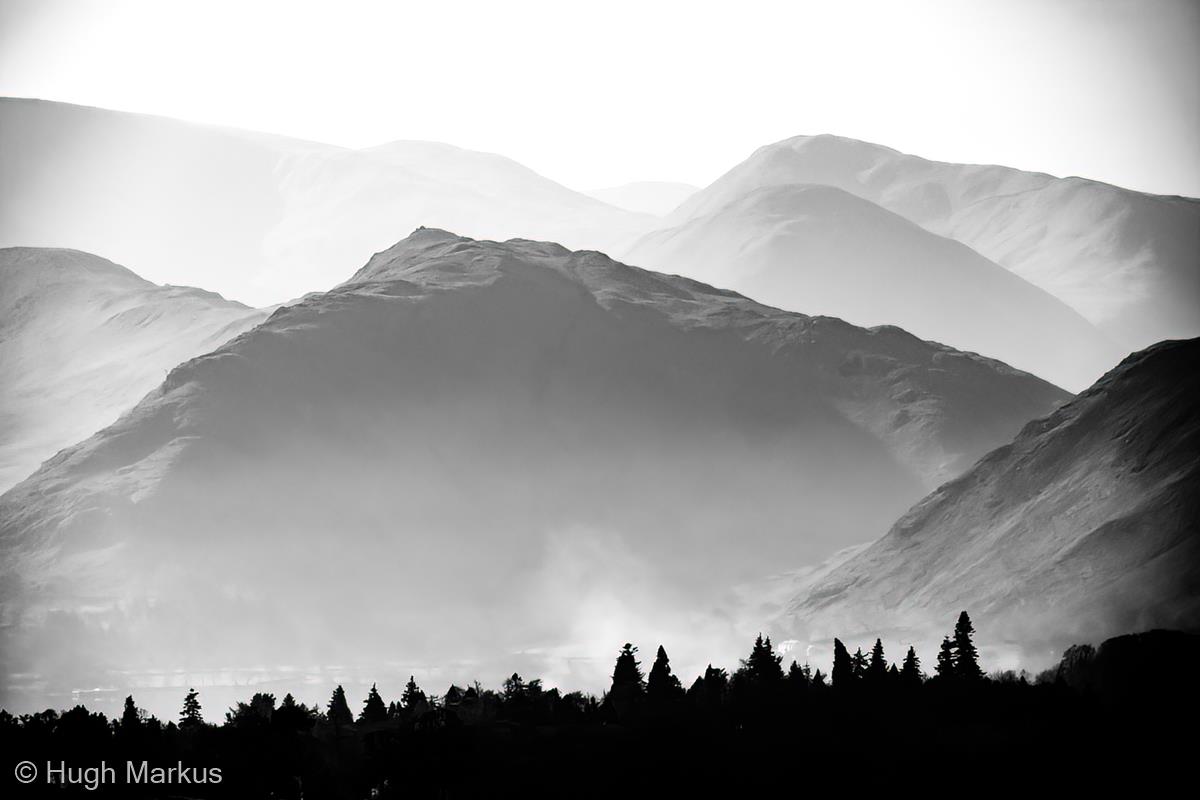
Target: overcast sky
599 94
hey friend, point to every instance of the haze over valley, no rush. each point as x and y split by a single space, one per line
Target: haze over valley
481 422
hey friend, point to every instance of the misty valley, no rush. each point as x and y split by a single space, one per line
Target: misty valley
478 430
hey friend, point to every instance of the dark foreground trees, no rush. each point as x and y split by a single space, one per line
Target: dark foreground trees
528 740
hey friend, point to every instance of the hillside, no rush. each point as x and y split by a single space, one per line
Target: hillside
255 216
467 432
83 339
1129 262
818 248
1084 526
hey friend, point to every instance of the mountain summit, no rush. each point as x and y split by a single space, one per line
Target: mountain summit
483 429
810 247
1129 262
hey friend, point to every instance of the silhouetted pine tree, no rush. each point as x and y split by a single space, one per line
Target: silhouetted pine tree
966 657
877 668
130 718
627 673
843 666
413 699
338 710
910 671
797 676
945 660
661 685
859 662
763 666
818 680
628 684
374 709
191 717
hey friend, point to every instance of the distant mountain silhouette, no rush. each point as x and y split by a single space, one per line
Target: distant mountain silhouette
1127 261
83 339
814 248
260 217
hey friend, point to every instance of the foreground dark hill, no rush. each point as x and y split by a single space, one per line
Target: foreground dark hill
82 339
472 450
1087 524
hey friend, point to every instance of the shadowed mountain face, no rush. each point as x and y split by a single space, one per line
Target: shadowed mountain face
83 339
259 217
474 450
810 247
1128 262
1087 524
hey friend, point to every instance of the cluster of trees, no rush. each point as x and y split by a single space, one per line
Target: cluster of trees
471 737
759 680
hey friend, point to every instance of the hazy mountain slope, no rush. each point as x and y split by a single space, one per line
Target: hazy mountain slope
83 339
648 197
259 217
812 247
1129 262
466 433
1087 524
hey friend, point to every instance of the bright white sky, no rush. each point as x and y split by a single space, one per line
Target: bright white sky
602 93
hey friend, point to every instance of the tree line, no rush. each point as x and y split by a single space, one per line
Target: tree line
470 737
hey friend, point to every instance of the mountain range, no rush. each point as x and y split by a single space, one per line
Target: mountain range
510 454
804 245
1129 262
480 449
258 217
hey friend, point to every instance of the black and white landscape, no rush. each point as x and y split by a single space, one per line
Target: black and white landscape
350 424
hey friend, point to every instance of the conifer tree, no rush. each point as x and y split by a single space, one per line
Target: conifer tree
763 666
945 660
877 668
661 685
797 676
966 657
818 679
374 709
130 717
627 673
191 717
412 696
338 709
843 666
910 671
859 662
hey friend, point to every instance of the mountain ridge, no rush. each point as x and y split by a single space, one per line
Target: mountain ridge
83 338
1126 260
502 426
1089 515
815 246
